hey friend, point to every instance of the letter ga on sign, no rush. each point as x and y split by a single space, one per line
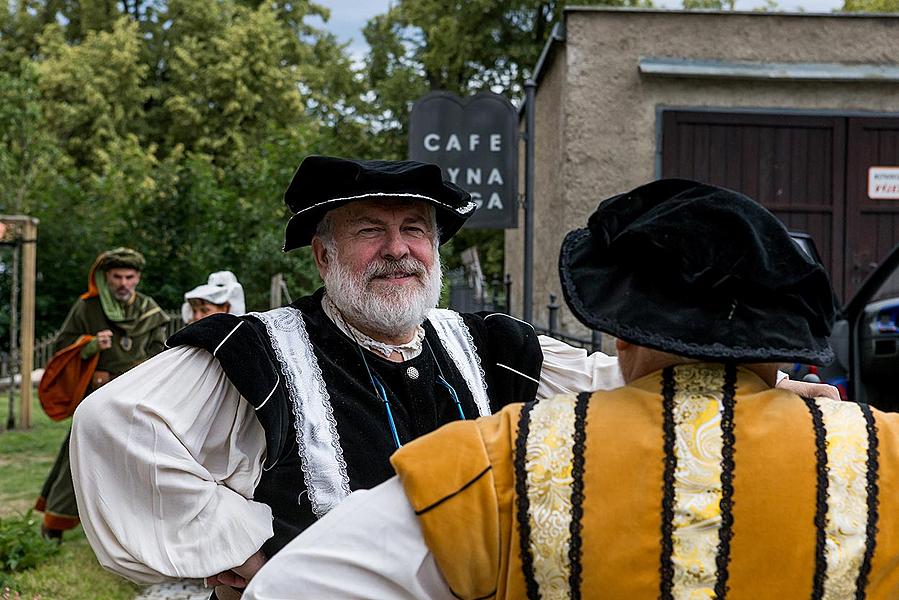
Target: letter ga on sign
883 183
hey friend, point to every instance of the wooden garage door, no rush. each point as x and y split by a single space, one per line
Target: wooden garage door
793 165
872 225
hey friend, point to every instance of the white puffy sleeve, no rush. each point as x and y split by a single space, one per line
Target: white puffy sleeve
165 460
570 370
567 369
369 546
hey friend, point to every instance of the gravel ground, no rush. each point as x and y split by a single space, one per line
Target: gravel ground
180 590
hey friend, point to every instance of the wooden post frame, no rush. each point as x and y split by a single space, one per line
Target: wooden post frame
22 230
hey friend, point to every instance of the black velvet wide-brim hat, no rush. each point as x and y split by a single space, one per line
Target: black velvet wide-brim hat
699 271
323 183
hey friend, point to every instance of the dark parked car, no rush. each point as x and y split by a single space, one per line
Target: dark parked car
865 337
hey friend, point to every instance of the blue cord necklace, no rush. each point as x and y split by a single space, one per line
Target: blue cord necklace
381 391
442 381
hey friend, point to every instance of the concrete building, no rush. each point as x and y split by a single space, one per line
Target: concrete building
792 109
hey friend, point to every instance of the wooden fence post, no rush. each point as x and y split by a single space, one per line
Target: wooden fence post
29 275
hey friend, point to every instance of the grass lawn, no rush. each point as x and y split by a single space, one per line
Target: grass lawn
25 459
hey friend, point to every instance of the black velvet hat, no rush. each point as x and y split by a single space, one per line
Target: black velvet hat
323 183
698 271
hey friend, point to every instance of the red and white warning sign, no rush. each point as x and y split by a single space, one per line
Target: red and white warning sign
883 183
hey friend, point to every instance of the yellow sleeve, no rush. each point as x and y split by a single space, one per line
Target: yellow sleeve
451 483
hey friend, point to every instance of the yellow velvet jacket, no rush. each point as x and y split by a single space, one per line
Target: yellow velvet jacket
698 481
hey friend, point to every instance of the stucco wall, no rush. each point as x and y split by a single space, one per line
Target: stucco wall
548 189
607 110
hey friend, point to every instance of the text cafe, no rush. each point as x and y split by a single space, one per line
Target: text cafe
475 143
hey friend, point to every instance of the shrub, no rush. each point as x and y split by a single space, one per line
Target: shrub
8 594
21 544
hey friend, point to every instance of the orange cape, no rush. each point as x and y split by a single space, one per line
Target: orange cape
66 379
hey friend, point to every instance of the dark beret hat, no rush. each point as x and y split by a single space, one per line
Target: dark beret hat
323 183
699 271
120 258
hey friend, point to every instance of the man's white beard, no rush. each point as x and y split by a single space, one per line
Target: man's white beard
386 309
122 294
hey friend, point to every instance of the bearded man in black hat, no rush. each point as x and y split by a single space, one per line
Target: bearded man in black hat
110 329
697 479
251 428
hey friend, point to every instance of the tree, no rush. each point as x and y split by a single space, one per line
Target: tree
28 153
710 4
93 92
874 6
172 127
36 179
210 94
460 46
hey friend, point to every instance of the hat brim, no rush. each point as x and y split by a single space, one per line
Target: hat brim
629 306
302 225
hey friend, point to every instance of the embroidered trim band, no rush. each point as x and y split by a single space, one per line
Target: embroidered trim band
549 463
321 455
457 340
847 500
698 481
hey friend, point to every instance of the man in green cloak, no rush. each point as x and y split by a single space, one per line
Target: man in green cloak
115 328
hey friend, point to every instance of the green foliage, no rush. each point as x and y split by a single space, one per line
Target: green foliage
73 572
29 154
174 126
710 4
212 95
489 243
93 92
26 455
21 544
873 6
461 47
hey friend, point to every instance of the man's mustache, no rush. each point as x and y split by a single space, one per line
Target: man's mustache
388 268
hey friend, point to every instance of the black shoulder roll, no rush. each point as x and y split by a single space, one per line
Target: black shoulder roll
243 349
510 354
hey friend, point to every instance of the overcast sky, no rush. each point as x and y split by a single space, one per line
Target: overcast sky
349 16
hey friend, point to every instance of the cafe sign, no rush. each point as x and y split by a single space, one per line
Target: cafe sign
475 141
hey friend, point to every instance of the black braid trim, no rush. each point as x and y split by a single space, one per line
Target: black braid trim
820 499
873 490
666 567
521 489
726 530
577 496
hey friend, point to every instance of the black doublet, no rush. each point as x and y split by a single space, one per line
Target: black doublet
419 406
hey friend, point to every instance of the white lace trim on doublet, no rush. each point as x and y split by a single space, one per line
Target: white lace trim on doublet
324 467
457 340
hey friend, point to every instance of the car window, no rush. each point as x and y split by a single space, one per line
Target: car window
889 288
